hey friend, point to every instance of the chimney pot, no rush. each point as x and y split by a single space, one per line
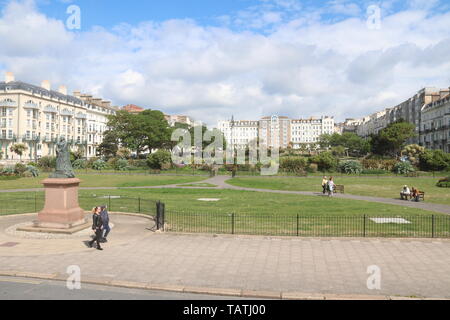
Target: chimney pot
9 77
63 90
46 85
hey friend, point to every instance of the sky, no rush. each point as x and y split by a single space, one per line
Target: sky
211 59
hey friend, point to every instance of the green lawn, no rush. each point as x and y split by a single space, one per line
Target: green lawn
104 181
254 212
385 187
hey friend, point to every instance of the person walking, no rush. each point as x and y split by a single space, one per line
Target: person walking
330 187
324 184
105 219
97 225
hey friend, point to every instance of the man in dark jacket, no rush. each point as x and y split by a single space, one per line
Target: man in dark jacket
97 225
105 218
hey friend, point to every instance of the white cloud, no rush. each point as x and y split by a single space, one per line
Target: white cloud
299 66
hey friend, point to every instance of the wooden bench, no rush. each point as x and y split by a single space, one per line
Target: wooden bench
421 196
339 189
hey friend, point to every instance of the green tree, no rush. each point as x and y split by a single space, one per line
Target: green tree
391 140
109 147
18 149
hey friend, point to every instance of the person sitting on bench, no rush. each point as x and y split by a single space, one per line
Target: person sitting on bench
415 195
405 193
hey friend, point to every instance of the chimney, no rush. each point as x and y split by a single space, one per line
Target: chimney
46 85
9 77
63 90
77 94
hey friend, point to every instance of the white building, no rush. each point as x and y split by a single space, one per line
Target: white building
308 131
38 116
239 133
275 131
435 131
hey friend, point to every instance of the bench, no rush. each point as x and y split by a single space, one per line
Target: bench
339 189
421 196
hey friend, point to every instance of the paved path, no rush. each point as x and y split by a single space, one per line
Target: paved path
237 265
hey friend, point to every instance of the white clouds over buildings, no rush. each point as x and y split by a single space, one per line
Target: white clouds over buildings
279 57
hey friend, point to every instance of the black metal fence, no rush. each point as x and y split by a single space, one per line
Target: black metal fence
429 226
34 203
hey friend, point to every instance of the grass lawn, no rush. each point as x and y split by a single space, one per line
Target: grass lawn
385 187
104 181
255 212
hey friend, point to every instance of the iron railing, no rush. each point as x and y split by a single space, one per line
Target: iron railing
408 226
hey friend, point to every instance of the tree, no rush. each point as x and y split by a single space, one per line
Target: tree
351 142
124 153
19 149
391 140
141 132
109 147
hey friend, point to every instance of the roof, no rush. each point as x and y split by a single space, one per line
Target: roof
18 85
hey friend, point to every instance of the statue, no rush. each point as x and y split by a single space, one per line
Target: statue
64 168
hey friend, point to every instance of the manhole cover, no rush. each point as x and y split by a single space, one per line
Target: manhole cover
9 244
390 220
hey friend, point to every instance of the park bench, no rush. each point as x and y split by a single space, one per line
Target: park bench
339 189
421 196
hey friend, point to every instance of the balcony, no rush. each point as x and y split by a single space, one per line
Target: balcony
8 137
31 138
8 104
31 105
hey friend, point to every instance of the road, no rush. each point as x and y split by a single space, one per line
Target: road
31 289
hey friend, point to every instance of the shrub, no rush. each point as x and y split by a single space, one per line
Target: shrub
444 183
20 169
33 171
79 164
91 161
351 167
379 164
138 163
121 165
374 171
99 165
435 160
312 168
325 161
403 168
8 171
159 160
413 152
293 164
47 162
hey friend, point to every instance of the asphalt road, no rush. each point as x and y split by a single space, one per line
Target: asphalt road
32 289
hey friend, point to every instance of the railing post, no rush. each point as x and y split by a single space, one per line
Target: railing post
109 203
298 225
364 226
139 204
158 214
433 226
232 223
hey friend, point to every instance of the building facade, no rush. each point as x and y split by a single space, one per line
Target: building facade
239 134
37 117
435 130
276 131
308 131
412 110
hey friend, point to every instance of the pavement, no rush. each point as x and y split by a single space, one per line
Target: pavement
234 266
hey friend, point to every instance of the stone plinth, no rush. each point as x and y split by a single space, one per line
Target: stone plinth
61 210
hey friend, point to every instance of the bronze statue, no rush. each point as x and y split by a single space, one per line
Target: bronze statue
64 169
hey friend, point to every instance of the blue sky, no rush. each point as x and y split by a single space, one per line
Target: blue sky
210 59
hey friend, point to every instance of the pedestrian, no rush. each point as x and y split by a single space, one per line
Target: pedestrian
324 184
97 225
330 187
405 193
105 219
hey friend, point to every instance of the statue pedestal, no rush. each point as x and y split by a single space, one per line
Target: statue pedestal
61 210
